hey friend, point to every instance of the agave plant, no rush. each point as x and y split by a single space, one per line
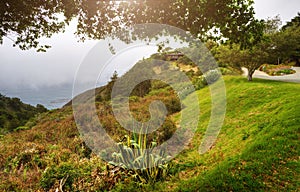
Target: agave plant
136 154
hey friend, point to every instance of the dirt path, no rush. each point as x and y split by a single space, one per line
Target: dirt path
287 78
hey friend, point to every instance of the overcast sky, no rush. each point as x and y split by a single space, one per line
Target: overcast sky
59 64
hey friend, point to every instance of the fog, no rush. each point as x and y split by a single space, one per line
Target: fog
59 64
35 69
286 9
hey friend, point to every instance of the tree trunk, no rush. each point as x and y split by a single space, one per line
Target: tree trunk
250 74
249 77
297 62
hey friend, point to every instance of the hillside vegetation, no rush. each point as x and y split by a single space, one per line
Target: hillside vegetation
257 149
14 113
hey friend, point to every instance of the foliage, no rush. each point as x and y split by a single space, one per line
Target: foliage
200 82
248 58
276 69
186 61
230 71
208 78
137 155
255 150
66 173
139 107
81 175
212 76
14 113
294 22
108 88
272 25
285 45
285 72
28 21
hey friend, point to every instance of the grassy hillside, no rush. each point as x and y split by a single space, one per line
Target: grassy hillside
257 149
14 113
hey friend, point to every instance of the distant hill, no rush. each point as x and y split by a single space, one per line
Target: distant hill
14 113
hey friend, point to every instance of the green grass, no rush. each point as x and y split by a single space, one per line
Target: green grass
258 146
256 150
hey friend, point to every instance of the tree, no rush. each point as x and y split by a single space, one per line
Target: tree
110 85
25 21
285 43
114 77
248 58
272 25
294 22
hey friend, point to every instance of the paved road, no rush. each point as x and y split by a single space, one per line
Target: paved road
287 78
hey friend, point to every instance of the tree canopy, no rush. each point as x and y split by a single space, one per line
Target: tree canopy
248 58
14 113
276 44
286 44
272 25
294 22
26 21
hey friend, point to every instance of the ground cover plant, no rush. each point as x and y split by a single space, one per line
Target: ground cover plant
277 70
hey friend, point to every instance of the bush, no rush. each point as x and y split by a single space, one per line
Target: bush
200 82
226 71
65 173
173 104
276 70
81 175
30 158
190 74
157 84
284 72
166 131
136 155
212 76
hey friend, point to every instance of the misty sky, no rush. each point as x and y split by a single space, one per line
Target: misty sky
59 64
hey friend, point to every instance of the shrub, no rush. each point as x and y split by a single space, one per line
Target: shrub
65 173
134 98
226 71
284 72
81 175
173 104
30 160
212 76
190 74
166 131
157 84
276 70
200 82
136 155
